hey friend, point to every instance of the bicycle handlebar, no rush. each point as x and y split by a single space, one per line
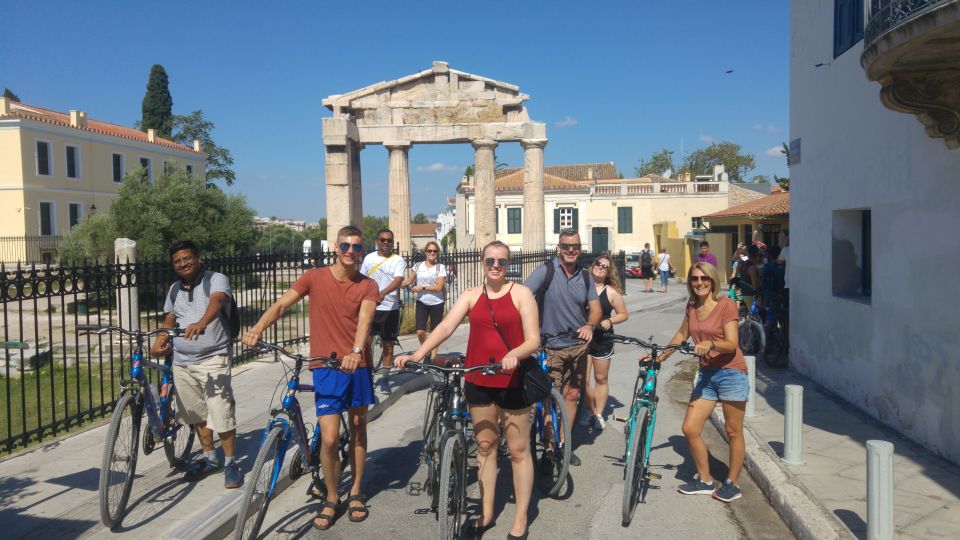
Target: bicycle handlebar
331 362
684 347
418 367
176 331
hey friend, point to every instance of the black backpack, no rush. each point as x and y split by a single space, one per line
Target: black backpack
542 292
232 322
646 259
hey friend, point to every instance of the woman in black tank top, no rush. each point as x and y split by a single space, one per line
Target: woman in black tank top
609 290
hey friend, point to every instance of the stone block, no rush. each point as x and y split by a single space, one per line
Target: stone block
472 86
29 360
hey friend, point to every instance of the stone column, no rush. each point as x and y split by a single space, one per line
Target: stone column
399 194
356 187
484 193
128 298
533 224
338 190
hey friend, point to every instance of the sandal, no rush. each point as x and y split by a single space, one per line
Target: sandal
475 530
363 508
323 521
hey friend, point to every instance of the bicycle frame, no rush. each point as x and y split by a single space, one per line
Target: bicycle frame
138 384
290 406
645 395
539 416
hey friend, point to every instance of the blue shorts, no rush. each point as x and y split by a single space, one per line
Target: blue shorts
664 278
723 384
335 391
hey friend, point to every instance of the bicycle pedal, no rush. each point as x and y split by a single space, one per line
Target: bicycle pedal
414 489
654 476
421 511
651 486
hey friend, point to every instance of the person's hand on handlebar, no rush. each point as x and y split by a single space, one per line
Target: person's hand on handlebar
509 363
194 330
585 333
251 338
161 346
703 347
351 362
401 361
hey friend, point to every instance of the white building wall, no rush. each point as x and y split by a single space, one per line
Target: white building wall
894 355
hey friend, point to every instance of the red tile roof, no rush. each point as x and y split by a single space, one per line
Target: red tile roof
776 204
575 171
514 182
423 229
32 112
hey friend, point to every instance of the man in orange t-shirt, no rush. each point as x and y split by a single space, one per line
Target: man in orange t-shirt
342 304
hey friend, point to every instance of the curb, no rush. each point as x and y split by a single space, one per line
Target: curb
218 520
803 514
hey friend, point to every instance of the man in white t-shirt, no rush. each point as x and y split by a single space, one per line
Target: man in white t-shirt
388 269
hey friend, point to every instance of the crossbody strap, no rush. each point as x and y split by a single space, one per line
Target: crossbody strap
494 319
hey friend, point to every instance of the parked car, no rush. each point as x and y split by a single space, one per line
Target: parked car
633 271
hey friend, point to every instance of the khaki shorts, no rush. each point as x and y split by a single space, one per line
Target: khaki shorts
568 366
204 394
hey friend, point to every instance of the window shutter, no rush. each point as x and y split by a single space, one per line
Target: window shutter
576 226
556 220
496 220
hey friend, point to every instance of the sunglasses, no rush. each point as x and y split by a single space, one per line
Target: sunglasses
385 240
602 266
490 261
345 247
566 247
431 251
695 279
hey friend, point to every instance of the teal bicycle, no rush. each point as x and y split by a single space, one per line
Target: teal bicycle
640 423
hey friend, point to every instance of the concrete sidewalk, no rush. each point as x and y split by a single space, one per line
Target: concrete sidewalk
825 496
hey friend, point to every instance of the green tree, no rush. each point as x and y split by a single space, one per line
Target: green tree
449 240
760 179
657 164
7 93
194 126
730 155
156 214
280 239
158 104
420 218
468 171
372 224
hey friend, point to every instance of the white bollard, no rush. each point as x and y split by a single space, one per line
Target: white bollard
879 490
793 424
752 379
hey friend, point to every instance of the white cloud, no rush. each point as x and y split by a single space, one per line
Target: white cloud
775 151
706 139
438 168
566 122
758 126
772 128
263 177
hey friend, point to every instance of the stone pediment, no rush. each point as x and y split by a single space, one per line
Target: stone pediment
437 96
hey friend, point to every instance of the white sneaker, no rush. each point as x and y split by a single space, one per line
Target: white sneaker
599 421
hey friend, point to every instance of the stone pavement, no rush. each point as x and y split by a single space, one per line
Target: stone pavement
825 496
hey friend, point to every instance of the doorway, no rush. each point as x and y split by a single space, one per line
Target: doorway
600 239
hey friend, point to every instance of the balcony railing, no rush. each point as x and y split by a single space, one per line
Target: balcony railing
659 188
882 15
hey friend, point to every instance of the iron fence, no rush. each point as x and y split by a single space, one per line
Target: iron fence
29 249
65 379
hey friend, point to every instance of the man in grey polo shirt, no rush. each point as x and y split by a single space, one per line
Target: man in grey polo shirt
198 302
570 303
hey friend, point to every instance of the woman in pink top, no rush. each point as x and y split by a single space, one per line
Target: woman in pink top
711 320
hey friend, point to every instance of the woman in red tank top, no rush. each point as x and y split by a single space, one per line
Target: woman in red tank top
515 336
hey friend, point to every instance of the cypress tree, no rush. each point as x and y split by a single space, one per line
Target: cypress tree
7 93
158 103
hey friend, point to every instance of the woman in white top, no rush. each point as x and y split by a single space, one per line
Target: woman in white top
428 279
663 268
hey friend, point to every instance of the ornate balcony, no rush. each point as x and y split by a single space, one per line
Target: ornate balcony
912 48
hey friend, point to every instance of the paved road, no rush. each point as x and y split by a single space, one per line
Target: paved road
590 508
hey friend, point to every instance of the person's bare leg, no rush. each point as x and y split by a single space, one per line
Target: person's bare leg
601 370
387 352
697 412
485 420
733 412
589 393
358 450
330 460
205 435
516 427
228 441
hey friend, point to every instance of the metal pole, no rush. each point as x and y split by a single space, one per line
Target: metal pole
752 378
879 490
793 424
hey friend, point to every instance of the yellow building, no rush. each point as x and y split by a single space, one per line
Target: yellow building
57 168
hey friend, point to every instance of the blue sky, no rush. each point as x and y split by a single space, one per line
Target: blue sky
613 81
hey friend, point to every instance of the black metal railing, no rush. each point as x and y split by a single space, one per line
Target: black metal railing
29 249
887 14
65 379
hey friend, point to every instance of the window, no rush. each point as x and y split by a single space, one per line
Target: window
624 219
747 234
118 168
44 167
73 162
47 225
852 269
190 172
696 223
847 24
76 213
513 221
564 218
145 163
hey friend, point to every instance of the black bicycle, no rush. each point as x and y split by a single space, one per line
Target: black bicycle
445 444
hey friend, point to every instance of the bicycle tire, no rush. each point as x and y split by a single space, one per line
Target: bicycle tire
634 464
542 449
774 354
752 340
116 483
453 486
178 449
376 352
255 497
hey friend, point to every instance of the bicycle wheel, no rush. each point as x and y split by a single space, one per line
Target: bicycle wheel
453 486
752 340
119 459
256 498
178 445
550 465
634 466
376 350
774 353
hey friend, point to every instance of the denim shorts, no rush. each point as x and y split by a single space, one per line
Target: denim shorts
721 384
664 278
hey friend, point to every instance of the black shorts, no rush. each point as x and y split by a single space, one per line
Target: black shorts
601 349
434 313
646 272
510 399
386 324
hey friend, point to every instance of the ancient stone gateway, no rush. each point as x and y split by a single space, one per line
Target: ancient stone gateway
439 105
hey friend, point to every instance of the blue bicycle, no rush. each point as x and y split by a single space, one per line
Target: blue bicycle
119 465
550 432
640 424
285 426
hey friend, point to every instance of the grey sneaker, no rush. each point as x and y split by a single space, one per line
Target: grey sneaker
385 385
201 468
696 487
232 476
727 492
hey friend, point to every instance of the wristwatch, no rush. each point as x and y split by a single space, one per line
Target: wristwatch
356 350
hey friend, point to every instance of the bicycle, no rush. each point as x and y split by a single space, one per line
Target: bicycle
445 445
775 344
551 453
640 424
286 423
119 464
753 339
